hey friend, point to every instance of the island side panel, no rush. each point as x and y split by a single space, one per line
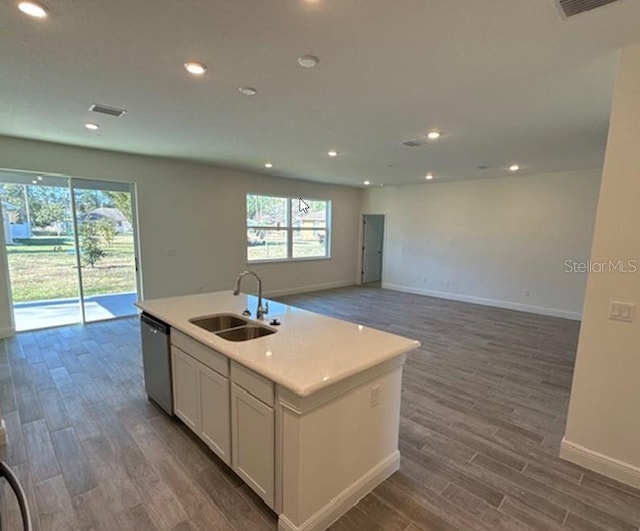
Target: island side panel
335 452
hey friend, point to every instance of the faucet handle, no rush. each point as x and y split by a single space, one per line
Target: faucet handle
266 307
246 312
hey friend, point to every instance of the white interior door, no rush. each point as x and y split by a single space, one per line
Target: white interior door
373 238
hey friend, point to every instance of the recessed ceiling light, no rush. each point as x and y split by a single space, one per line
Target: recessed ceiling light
332 153
268 165
434 135
514 167
248 91
308 61
91 126
195 68
366 183
34 9
428 176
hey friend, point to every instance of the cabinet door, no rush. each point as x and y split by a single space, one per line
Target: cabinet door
185 389
215 417
253 434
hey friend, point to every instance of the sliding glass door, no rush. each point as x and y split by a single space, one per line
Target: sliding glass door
104 220
40 245
71 249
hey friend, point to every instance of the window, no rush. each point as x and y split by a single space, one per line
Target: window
283 228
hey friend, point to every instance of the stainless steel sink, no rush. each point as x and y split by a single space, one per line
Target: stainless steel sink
231 327
244 333
221 321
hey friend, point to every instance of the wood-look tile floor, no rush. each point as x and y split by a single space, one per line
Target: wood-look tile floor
483 412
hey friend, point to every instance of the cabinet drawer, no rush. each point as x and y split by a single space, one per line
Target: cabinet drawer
252 382
205 355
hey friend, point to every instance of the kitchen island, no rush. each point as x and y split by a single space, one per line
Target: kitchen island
307 416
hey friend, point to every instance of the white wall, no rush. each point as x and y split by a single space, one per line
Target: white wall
603 427
487 241
199 211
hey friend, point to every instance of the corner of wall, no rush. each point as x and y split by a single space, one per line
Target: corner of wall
602 431
603 464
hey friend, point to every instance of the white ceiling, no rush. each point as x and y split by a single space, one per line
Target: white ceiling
505 80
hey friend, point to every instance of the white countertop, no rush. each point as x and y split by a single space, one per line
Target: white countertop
308 352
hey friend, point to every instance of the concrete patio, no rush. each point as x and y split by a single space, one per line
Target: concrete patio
47 314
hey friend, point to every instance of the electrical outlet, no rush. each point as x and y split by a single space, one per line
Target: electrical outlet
621 311
526 293
375 396
171 252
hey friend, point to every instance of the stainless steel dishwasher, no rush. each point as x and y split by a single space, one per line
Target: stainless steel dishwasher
156 359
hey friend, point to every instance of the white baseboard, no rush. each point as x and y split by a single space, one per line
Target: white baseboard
346 499
541 310
312 287
7 332
603 464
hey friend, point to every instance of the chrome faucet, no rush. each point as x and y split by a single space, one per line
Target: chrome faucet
261 311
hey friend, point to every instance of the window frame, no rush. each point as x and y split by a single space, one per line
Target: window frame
290 229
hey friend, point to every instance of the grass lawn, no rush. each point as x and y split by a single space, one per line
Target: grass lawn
38 272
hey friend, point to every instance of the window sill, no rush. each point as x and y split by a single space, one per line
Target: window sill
286 260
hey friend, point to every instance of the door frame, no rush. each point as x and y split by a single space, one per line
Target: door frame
11 329
360 271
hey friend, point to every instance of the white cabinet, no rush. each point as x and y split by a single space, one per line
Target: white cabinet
231 408
201 401
214 416
185 388
253 436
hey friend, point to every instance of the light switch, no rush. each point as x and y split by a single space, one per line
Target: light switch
621 311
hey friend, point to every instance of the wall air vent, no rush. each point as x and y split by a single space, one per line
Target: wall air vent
414 143
105 109
571 8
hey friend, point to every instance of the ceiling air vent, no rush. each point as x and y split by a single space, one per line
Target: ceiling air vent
414 143
574 7
105 109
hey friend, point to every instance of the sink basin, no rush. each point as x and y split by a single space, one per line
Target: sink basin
221 321
231 327
245 333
